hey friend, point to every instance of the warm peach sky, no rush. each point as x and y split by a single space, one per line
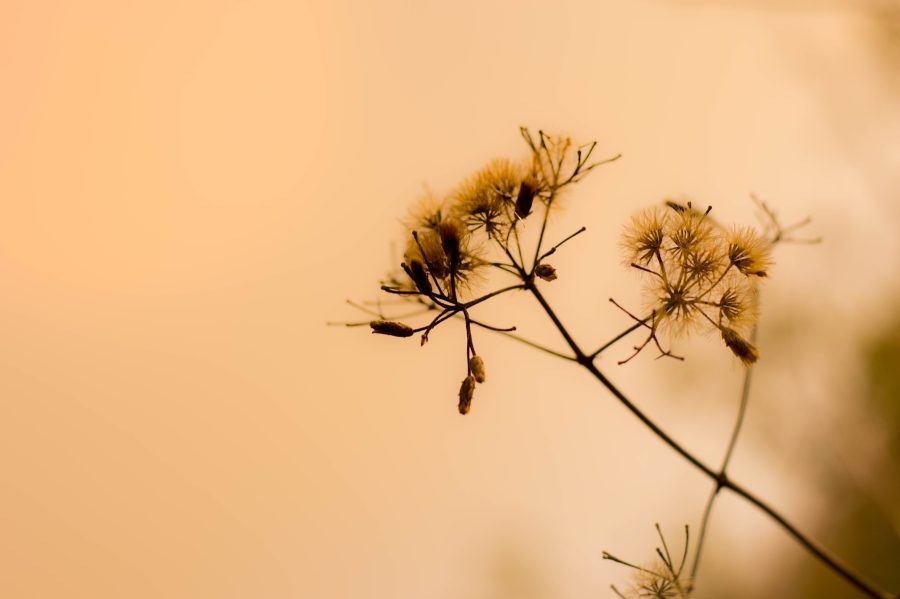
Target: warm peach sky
191 189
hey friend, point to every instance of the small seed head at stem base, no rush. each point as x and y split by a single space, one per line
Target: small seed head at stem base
466 391
654 581
476 366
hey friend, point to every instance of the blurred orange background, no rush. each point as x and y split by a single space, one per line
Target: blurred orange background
190 190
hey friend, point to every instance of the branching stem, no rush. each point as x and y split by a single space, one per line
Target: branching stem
722 481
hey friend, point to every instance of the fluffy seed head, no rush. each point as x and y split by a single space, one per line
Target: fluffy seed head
644 236
488 198
689 231
427 249
698 276
748 252
427 213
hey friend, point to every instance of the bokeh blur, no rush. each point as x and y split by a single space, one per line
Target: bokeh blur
191 189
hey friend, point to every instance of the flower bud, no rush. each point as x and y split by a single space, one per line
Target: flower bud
476 365
466 391
740 347
452 231
416 271
546 272
389 327
524 200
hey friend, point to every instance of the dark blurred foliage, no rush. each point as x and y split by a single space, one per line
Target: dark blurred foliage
864 525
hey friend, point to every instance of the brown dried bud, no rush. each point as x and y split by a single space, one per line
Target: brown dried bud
452 232
416 271
740 347
476 365
546 272
466 391
524 200
389 327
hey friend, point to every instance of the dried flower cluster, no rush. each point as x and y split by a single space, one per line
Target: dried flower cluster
698 275
452 242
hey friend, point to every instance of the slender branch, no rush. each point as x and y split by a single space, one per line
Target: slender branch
628 331
707 509
857 580
553 249
530 343
701 536
540 241
490 327
488 296
742 409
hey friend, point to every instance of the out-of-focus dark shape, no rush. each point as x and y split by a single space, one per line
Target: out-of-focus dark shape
885 19
871 502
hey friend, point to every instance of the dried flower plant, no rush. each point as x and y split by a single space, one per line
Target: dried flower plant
698 276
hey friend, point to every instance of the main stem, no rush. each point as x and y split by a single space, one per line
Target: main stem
722 481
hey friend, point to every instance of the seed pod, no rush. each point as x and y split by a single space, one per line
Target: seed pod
740 347
546 272
524 200
416 271
476 365
466 391
389 327
452 232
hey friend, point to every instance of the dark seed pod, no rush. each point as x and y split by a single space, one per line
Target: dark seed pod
389 327
476 365
546 272
466 391
525 199
416 271
452 232
740 347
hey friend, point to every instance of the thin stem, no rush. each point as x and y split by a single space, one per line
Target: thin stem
618 337
546 217
476 301
531 343
491 327
553 249
857 580
701 536
742 409
736 430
